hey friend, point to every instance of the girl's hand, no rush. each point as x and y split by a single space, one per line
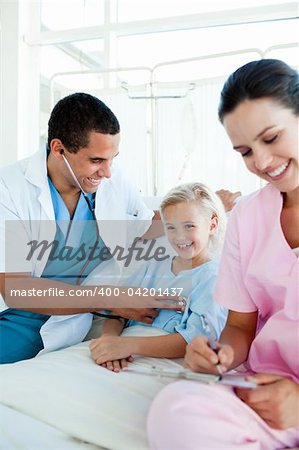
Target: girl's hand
110 348
275 400
118 364
200 357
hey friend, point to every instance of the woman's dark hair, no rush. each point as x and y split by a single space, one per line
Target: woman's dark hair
75 116
257 79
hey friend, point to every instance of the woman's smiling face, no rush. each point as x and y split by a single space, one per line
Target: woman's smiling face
265 133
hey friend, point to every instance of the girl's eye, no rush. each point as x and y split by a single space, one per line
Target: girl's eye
169 228
269 141
189 226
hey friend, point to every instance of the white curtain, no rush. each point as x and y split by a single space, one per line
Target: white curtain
192 144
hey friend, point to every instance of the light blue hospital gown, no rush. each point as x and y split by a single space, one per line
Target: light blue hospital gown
198 286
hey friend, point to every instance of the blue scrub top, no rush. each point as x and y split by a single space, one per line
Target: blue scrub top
78 242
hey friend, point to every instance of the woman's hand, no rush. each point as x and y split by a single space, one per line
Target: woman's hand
275 400
109 348
200 357
118 364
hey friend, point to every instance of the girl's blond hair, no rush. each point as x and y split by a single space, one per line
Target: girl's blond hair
209 204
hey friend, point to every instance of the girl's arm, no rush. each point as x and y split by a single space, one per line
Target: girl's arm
113 327
169 346
108 348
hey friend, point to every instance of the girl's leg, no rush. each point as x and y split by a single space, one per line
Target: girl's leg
192 416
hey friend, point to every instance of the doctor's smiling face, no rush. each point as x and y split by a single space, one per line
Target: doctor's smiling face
92 163
265 133
83 139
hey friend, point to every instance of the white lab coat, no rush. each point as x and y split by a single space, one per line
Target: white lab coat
25 198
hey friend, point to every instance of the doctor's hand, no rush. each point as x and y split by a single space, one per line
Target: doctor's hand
228 198
147 306
275 400
136 302
200 357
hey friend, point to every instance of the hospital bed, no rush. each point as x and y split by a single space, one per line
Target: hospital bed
64 401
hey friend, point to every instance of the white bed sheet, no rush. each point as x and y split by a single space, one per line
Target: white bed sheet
67 392
22 432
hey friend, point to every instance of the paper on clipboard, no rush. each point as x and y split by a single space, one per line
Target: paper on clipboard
183 374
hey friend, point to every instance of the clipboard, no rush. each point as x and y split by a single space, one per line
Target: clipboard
184 374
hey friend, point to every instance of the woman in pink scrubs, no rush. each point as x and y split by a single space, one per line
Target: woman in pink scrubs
258 282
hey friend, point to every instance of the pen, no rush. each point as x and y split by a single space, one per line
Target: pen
212 341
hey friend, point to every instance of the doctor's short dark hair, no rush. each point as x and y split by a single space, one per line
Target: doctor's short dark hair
270 78
75 116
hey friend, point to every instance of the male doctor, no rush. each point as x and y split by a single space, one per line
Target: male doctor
50 201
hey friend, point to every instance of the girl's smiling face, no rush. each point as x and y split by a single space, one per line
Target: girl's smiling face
188 230
265 133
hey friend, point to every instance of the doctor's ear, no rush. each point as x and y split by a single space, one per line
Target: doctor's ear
56 147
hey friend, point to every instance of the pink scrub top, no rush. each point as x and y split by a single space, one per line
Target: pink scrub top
259 271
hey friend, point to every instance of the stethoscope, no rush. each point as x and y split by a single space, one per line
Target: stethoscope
91 207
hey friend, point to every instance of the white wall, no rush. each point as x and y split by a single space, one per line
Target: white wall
19 81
